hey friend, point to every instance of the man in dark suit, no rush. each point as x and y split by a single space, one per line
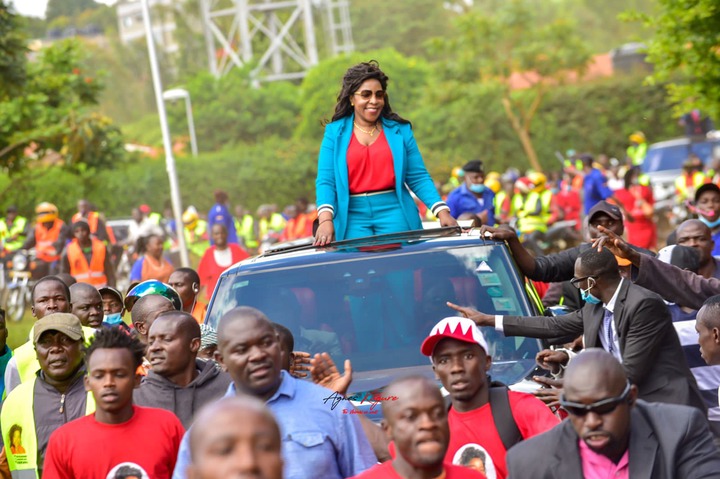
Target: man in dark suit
631 323
611 433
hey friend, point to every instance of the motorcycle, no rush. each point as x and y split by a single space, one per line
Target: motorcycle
19 284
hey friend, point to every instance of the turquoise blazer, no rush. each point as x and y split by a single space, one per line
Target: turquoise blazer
332 187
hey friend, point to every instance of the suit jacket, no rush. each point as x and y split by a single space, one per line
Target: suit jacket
332 186
676 285
666 442
652 356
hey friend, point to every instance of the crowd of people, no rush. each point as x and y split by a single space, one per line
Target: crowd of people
131 383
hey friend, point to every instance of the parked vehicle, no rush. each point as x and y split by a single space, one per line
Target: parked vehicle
664 160
20 280
373 300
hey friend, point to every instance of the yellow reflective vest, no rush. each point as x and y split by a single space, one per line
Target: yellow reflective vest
688 192
17 228
530 220
17 414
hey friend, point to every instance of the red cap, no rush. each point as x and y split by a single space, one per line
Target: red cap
455 327
144 209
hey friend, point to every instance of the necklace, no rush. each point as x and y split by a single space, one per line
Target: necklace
371 132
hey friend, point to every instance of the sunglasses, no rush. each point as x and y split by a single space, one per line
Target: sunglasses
605 406
367 94
576 281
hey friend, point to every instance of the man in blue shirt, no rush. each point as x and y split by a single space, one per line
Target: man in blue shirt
473 196
595 185
317 438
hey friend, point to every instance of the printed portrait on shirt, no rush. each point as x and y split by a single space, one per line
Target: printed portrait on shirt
127 470
15 440
475 457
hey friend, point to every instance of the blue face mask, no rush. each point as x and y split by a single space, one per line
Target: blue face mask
476 187
112 319
587 296
709 224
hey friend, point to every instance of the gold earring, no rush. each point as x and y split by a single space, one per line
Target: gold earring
352 104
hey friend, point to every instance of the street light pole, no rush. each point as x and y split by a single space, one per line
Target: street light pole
174 94
169 159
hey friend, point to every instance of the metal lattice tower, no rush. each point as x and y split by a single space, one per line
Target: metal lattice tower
275 37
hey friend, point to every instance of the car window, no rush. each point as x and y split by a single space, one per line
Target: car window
672 157
376 308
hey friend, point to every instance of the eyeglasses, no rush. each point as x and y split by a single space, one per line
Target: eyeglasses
576 281
367 94
605 406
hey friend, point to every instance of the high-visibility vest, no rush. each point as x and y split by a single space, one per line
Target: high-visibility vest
529 220
17 228
246 229
26 357
45 239
683 190
637 153
92 219
93 273
197 239
17 411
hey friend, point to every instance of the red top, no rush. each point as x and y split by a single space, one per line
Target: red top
370 168
148 442
209 271
477 427
387 471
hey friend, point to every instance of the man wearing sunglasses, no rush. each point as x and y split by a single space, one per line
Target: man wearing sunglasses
612 433
631 323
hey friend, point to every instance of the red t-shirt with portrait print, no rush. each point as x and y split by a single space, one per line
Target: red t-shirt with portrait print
531 415
387 471
147 445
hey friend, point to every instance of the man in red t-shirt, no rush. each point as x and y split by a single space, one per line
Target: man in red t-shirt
134 440
459 356
416 421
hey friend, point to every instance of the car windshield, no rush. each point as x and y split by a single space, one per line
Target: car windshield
672 157
375 308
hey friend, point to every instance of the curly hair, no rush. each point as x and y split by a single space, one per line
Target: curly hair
471 453
115 338
354 77
13 429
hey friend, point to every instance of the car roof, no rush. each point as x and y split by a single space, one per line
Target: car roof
303 252
680 141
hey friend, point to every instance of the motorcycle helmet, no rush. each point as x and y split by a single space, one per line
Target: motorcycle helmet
152 286
46 212
538 181
637 137
493 184
190 218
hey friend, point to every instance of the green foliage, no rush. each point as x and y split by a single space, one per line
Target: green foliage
404 25
685 51
274 170
320 88
53 115
12 53
459 122
67 8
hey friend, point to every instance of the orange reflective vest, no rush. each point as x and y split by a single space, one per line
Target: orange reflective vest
45 240
92 220
93 273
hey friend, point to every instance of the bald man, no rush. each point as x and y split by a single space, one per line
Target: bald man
696 234
235 437
87 304
144 312
178 381
416 421
611 433
317 437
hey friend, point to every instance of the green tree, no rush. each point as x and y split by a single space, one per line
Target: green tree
12 53
685 51
51 119
513 45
